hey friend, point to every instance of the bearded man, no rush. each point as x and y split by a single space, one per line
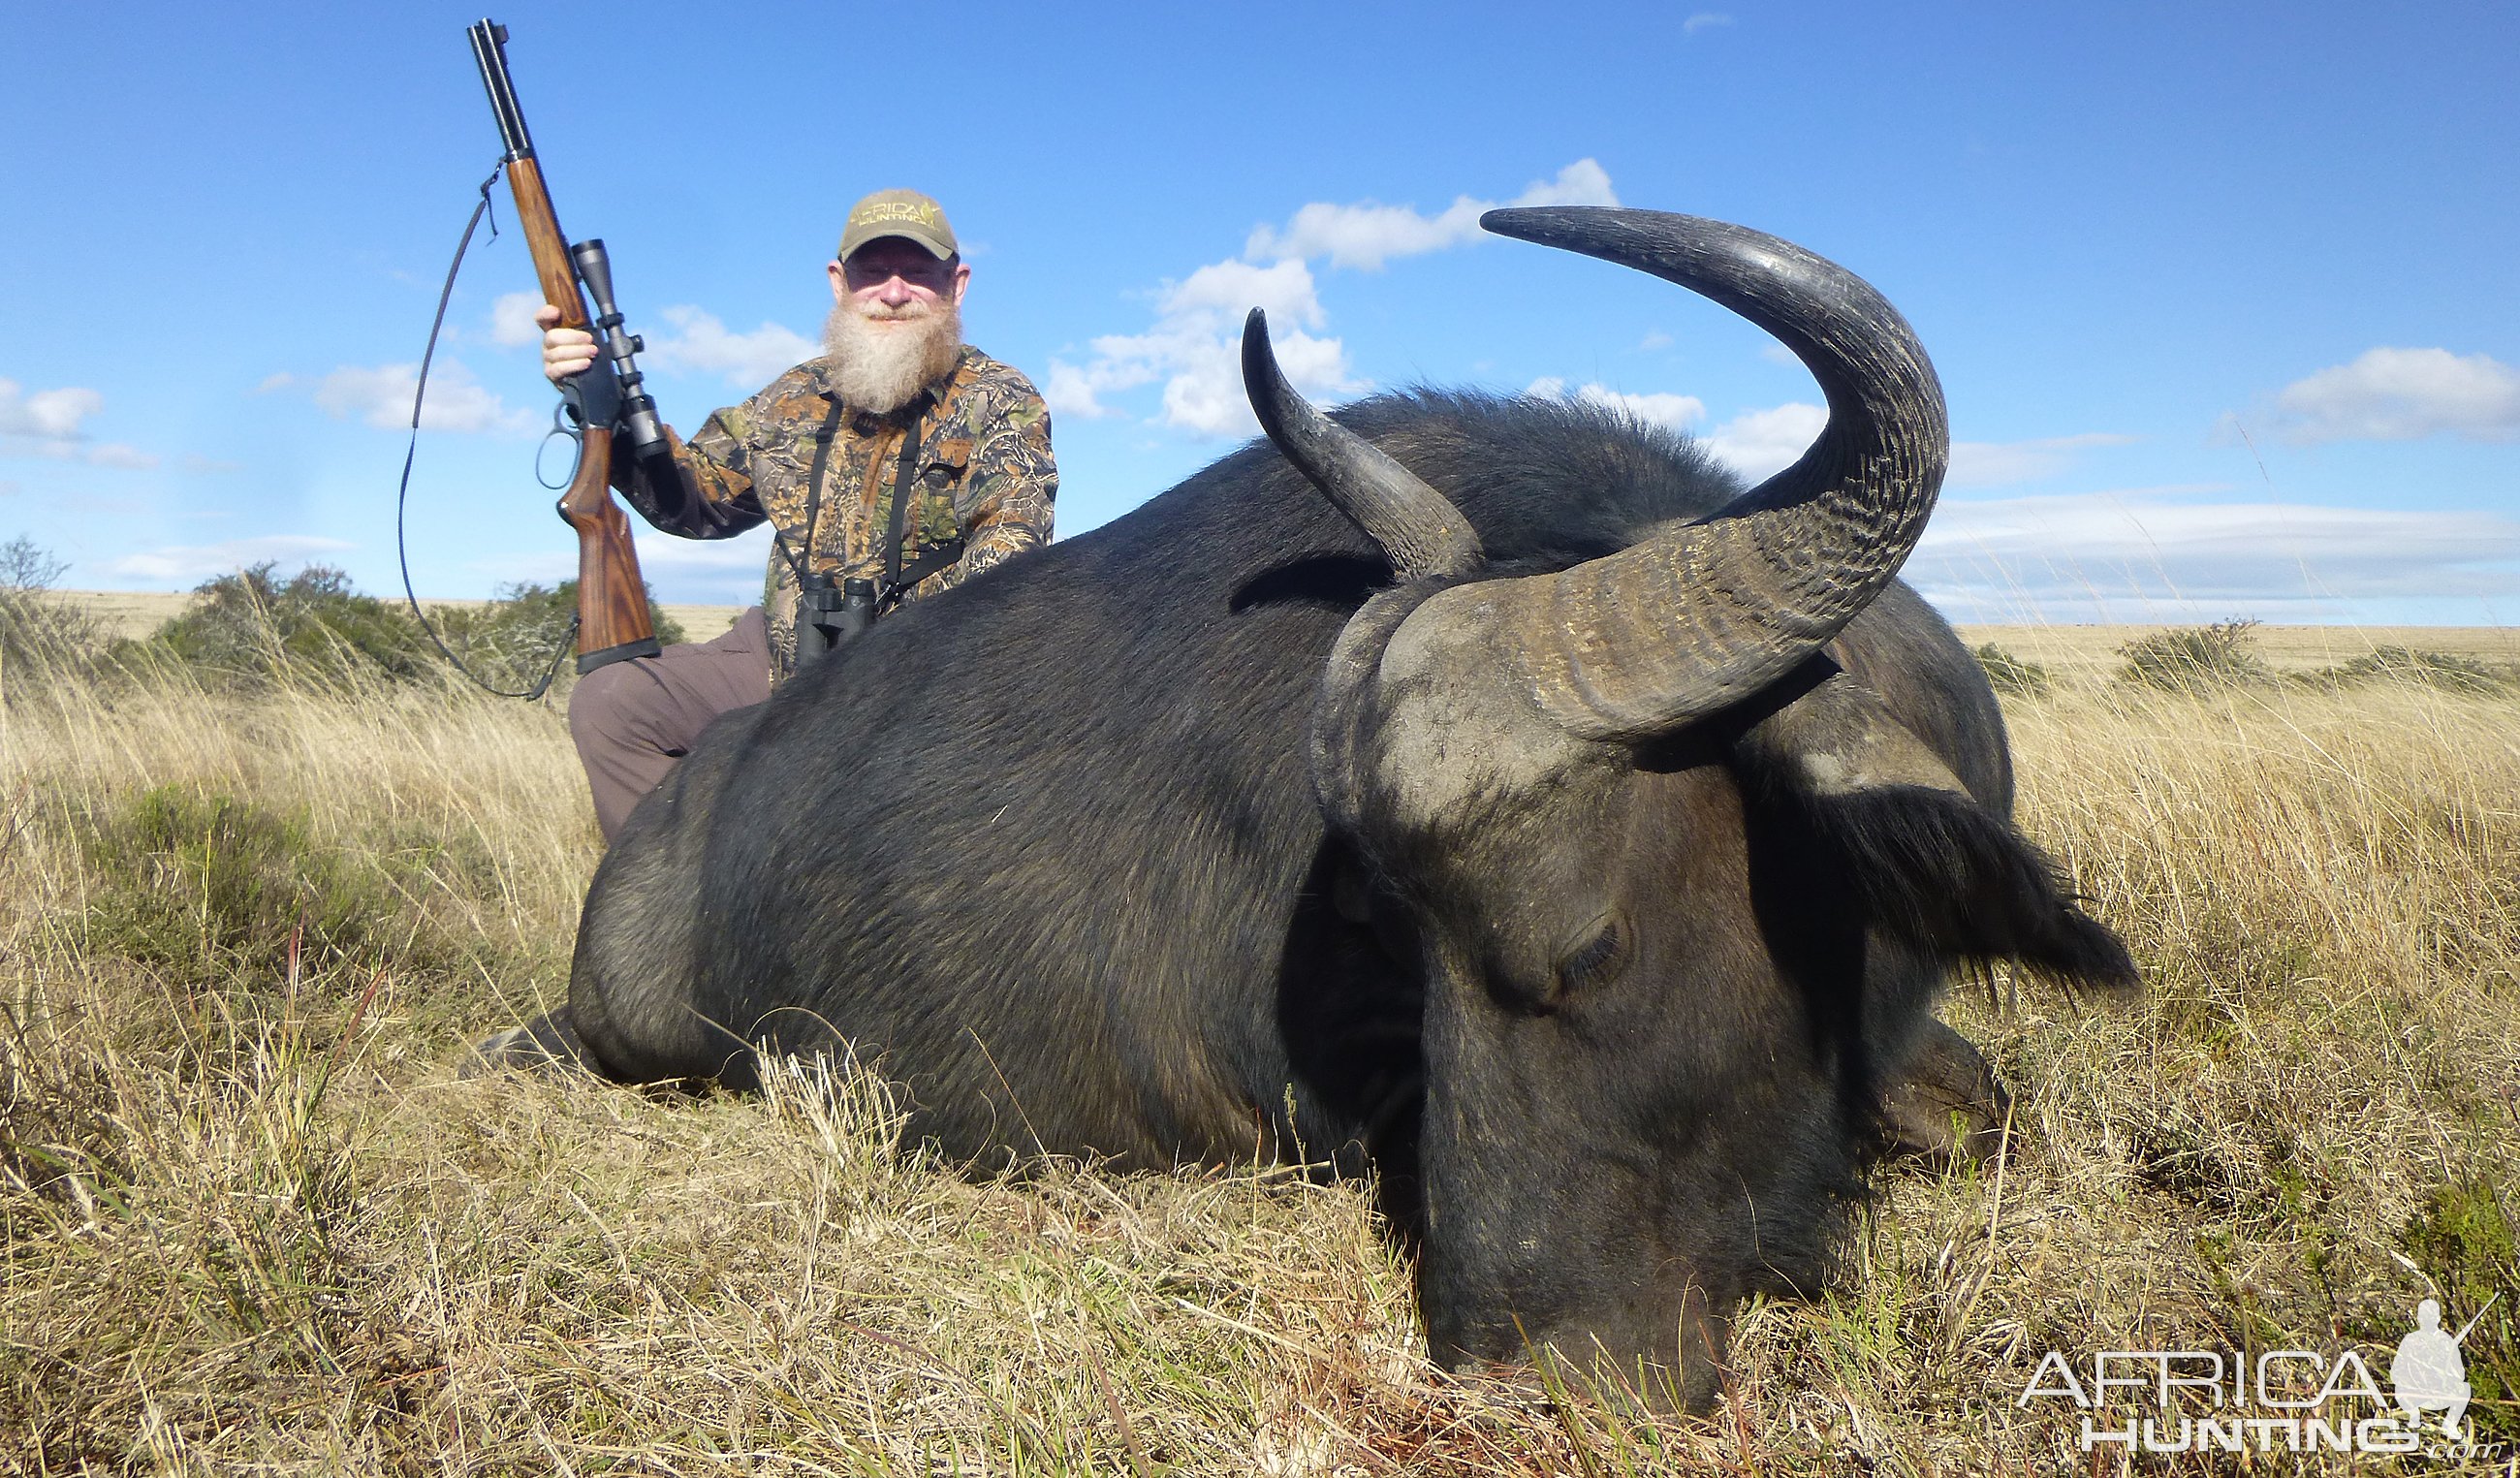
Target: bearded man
901 457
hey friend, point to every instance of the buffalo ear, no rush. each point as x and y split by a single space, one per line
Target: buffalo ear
1924 860
1940 871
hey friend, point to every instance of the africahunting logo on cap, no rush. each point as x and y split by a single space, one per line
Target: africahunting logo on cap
905 213
2278 1401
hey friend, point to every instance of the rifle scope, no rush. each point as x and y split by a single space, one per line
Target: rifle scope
638 414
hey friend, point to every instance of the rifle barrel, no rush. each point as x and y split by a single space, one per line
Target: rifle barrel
490 51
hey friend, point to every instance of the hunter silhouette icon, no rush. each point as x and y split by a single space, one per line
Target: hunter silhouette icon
2429 1374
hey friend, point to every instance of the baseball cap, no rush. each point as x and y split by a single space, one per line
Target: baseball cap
905 213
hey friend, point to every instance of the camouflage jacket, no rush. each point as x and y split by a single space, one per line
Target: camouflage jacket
982 472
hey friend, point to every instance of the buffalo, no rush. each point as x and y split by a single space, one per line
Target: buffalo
1489 794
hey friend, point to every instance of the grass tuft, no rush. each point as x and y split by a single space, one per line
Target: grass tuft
210 888
40 633
2446 670
2012 676
2196 659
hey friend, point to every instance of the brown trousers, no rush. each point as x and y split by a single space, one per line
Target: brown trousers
633 720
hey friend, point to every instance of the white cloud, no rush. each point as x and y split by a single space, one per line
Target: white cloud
710 572
1285 290
185 564
1703 21
1678 411
512 320
1654 340
1194 347
2143 523
750 551
1758 445
1077 391
198 464
2401 395
1994 464
2173 552
10 489
49 424
112 454
703 346
53 415
1368 234
1205 397
716 571
381 397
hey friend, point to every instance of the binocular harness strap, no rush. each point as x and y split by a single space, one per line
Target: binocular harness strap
814 484
898 578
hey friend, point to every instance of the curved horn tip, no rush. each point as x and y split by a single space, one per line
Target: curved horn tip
1416 526
1505 220
1535 223
1273 399
1259 358
1502 219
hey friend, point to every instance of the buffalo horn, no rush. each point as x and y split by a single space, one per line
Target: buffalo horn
1417 529
1706 614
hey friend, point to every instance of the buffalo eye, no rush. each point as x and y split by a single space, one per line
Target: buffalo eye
1598 961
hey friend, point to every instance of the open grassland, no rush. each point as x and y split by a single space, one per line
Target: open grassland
2091 654
2086 653
253 1220
135 613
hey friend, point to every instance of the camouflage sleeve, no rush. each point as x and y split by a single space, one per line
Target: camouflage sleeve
1010 488
704 490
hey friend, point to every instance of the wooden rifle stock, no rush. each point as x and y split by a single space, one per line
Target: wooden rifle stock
612 620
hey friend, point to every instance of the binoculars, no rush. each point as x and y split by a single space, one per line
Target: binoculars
830 613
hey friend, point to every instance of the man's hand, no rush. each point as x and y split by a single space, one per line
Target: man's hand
565 351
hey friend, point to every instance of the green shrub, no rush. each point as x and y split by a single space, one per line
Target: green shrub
2012 676
2445 670
2196 659
235 898
40 632
253 629
509 643
205 888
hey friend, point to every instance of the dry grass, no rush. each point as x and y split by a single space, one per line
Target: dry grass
135 613
2085 650
253 1221
2091 653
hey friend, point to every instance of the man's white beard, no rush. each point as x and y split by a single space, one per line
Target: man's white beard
881 358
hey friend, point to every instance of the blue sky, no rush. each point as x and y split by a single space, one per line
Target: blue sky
2223 297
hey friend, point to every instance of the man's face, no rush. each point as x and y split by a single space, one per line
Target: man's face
893 279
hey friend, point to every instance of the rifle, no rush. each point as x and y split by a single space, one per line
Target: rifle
605 399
